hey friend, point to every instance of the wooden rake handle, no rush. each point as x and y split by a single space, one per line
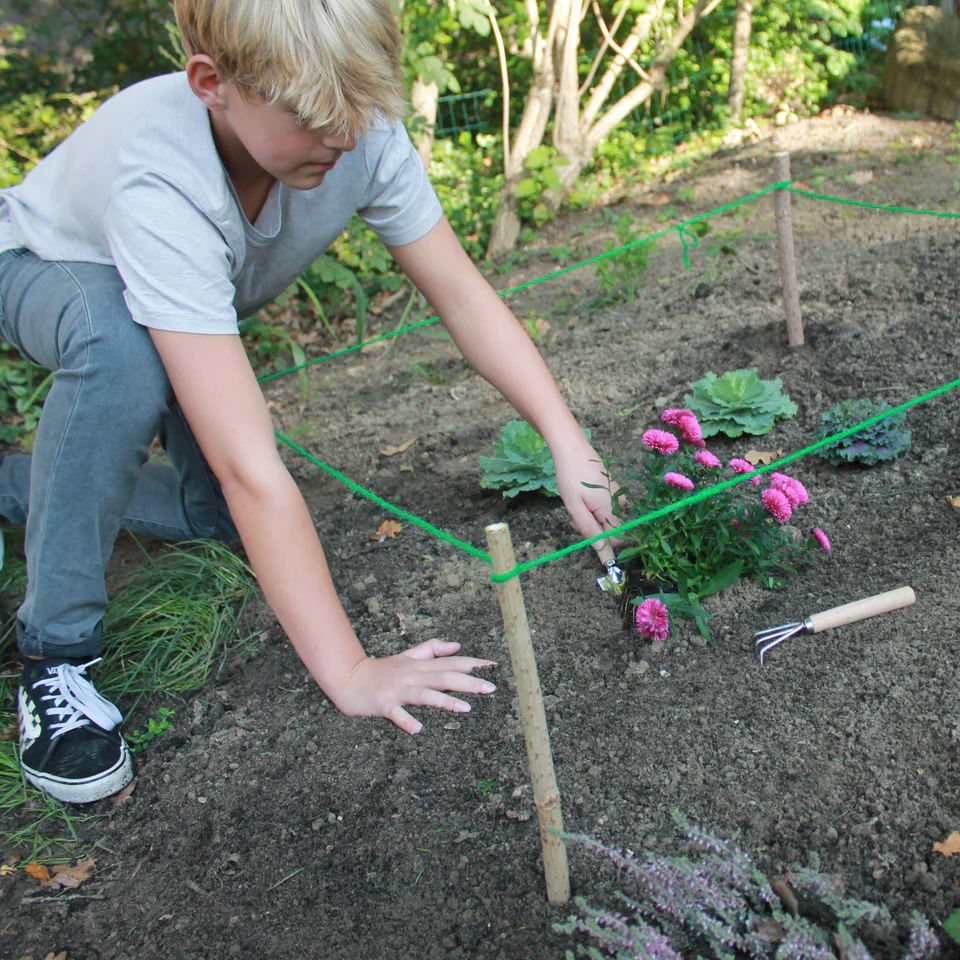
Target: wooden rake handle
863 609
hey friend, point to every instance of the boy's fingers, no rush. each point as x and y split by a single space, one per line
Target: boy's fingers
403 720
430 649
460 682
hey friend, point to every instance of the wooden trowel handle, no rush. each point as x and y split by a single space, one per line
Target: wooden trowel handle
607 554
863 609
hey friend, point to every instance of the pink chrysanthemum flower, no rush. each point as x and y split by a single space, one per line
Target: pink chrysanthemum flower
706 459
689 427
795 491
660 441
653 620
821 538
739 465
678 480
777 503
674 416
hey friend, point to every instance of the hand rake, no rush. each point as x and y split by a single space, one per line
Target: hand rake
836 617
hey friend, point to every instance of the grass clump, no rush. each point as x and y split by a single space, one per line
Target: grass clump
168 630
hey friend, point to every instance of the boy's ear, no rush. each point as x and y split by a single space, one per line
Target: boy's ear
206 80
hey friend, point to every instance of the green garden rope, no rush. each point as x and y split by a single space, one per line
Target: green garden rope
684 233
356 488
682 229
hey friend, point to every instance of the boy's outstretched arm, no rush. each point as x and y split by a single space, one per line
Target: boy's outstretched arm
223 404
496 346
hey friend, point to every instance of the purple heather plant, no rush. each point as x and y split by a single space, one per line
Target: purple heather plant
705 546
722 906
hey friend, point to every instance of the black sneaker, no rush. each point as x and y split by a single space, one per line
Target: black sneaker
69 745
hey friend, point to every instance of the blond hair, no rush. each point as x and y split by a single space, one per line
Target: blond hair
335 62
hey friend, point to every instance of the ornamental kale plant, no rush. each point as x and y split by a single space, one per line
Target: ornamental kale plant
705 546
884 440
521 462
723 906
739 402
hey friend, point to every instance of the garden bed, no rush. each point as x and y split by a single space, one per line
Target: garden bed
265 824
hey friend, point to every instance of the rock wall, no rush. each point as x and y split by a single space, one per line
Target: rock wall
922 70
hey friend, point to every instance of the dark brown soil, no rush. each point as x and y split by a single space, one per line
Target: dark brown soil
264 824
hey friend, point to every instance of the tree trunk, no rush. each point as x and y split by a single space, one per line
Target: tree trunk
533 123
949 7
739 58
424 99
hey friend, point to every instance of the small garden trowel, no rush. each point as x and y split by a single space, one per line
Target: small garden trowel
613 580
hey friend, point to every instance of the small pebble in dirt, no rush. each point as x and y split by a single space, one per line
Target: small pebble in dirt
373 606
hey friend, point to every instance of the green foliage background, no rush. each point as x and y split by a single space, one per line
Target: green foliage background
804 54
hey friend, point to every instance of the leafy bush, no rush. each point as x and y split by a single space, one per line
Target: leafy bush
723 906
706 546
884 440
739 402
521 462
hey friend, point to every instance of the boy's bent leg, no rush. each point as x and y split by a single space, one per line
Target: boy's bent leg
108 396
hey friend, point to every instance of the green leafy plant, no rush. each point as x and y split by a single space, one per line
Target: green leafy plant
704 546
23 388
951 926
521 462
620 275
739 402
156 726
884 440
721 906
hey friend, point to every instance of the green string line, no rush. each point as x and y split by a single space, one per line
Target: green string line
680 228
871 206
683 232
720 487
356 488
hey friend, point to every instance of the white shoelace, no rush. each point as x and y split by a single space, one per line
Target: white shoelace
74 700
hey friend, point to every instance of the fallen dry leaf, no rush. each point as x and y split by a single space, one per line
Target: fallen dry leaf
37 870
126 792
70 877
950 846
377 346
62 955
6 870
659 200
860 177
756 457
954 502
393 451
389 528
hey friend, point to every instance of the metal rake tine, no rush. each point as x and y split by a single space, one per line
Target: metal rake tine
776 637
762 636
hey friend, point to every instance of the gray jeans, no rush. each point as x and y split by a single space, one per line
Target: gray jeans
89 474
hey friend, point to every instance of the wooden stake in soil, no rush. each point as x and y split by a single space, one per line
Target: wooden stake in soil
786 255
546 794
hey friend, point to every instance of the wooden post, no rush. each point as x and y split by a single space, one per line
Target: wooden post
786 255
546 794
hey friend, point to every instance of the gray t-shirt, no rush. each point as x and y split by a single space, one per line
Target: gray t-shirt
140 185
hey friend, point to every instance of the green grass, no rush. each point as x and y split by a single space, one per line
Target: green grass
167 631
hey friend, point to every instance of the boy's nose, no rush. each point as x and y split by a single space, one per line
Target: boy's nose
338 140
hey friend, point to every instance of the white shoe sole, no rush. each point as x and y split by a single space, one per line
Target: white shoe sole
93 788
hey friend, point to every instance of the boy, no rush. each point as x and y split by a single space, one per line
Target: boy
126 258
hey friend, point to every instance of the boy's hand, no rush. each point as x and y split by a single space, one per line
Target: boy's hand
416 677
590 508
